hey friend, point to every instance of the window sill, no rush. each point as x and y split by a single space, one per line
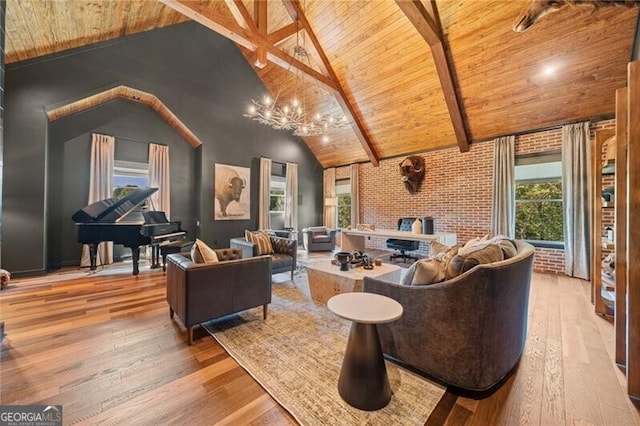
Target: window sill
547 244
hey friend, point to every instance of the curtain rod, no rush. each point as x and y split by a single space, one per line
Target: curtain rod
138 140
278 162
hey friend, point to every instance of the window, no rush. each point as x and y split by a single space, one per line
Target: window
276 192
343 212
276 201
539 209
129 175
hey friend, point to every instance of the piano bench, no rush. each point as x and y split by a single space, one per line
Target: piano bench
173 247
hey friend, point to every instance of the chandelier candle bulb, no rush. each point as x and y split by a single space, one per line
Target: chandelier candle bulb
291 115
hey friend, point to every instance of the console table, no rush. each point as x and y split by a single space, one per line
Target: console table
353 239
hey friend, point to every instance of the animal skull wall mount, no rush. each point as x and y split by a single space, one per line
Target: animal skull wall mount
536 9
412 170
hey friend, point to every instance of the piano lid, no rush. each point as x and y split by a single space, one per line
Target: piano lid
112 210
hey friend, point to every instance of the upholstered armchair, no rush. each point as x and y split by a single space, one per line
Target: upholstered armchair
283 258
319 238
468 331
198 292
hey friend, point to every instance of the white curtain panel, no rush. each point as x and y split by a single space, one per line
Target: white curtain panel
329 184
159 177
264 220
576 198
100 188
503 208
291 197
355 195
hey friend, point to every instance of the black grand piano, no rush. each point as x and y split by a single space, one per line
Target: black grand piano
117 220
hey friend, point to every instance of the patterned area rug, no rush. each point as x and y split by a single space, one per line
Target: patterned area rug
296 356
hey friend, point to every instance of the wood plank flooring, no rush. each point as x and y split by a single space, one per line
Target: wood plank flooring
103 346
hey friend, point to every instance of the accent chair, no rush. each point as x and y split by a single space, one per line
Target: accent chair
468 331
319 238
283 258
199 292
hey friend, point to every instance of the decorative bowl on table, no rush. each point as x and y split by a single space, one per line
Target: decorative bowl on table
344 258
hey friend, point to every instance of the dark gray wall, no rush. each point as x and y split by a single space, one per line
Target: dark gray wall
70 146
200 76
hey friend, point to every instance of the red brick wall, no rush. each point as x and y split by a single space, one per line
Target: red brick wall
456 191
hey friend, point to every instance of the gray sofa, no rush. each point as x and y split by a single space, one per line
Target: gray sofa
469 331
198 292
284 258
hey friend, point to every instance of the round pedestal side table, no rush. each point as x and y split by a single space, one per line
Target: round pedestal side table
363 381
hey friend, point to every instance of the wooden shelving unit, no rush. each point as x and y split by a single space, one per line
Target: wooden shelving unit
632 231
626 283
602 297
621 226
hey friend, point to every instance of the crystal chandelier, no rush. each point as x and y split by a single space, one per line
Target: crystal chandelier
292 115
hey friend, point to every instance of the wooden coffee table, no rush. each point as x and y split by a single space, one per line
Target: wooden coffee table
363 381
327 280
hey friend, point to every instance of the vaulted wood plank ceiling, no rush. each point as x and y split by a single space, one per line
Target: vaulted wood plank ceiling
384 68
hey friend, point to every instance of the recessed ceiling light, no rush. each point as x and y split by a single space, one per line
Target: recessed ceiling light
549 70
325 138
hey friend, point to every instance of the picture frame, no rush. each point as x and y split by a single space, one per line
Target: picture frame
232 191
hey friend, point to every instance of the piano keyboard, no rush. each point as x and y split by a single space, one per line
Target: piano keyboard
166 236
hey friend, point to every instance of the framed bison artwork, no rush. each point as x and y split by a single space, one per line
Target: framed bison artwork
231 192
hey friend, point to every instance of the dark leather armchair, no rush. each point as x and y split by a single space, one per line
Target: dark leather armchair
319 238
403 246
198 292
283 259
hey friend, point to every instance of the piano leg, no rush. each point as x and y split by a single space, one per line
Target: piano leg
155 256
93 249
135 257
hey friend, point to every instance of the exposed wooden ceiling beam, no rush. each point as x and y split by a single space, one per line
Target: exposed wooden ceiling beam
260 10
132 95
241 14
282 33
234 32
350 110
428 25
293 13
245 20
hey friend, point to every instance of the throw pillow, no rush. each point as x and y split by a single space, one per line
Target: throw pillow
448 255
202 253
507 245
428 271
489 254
260 239
474 244
454 267
435 248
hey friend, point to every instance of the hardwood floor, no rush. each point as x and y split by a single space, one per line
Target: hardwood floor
104 347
